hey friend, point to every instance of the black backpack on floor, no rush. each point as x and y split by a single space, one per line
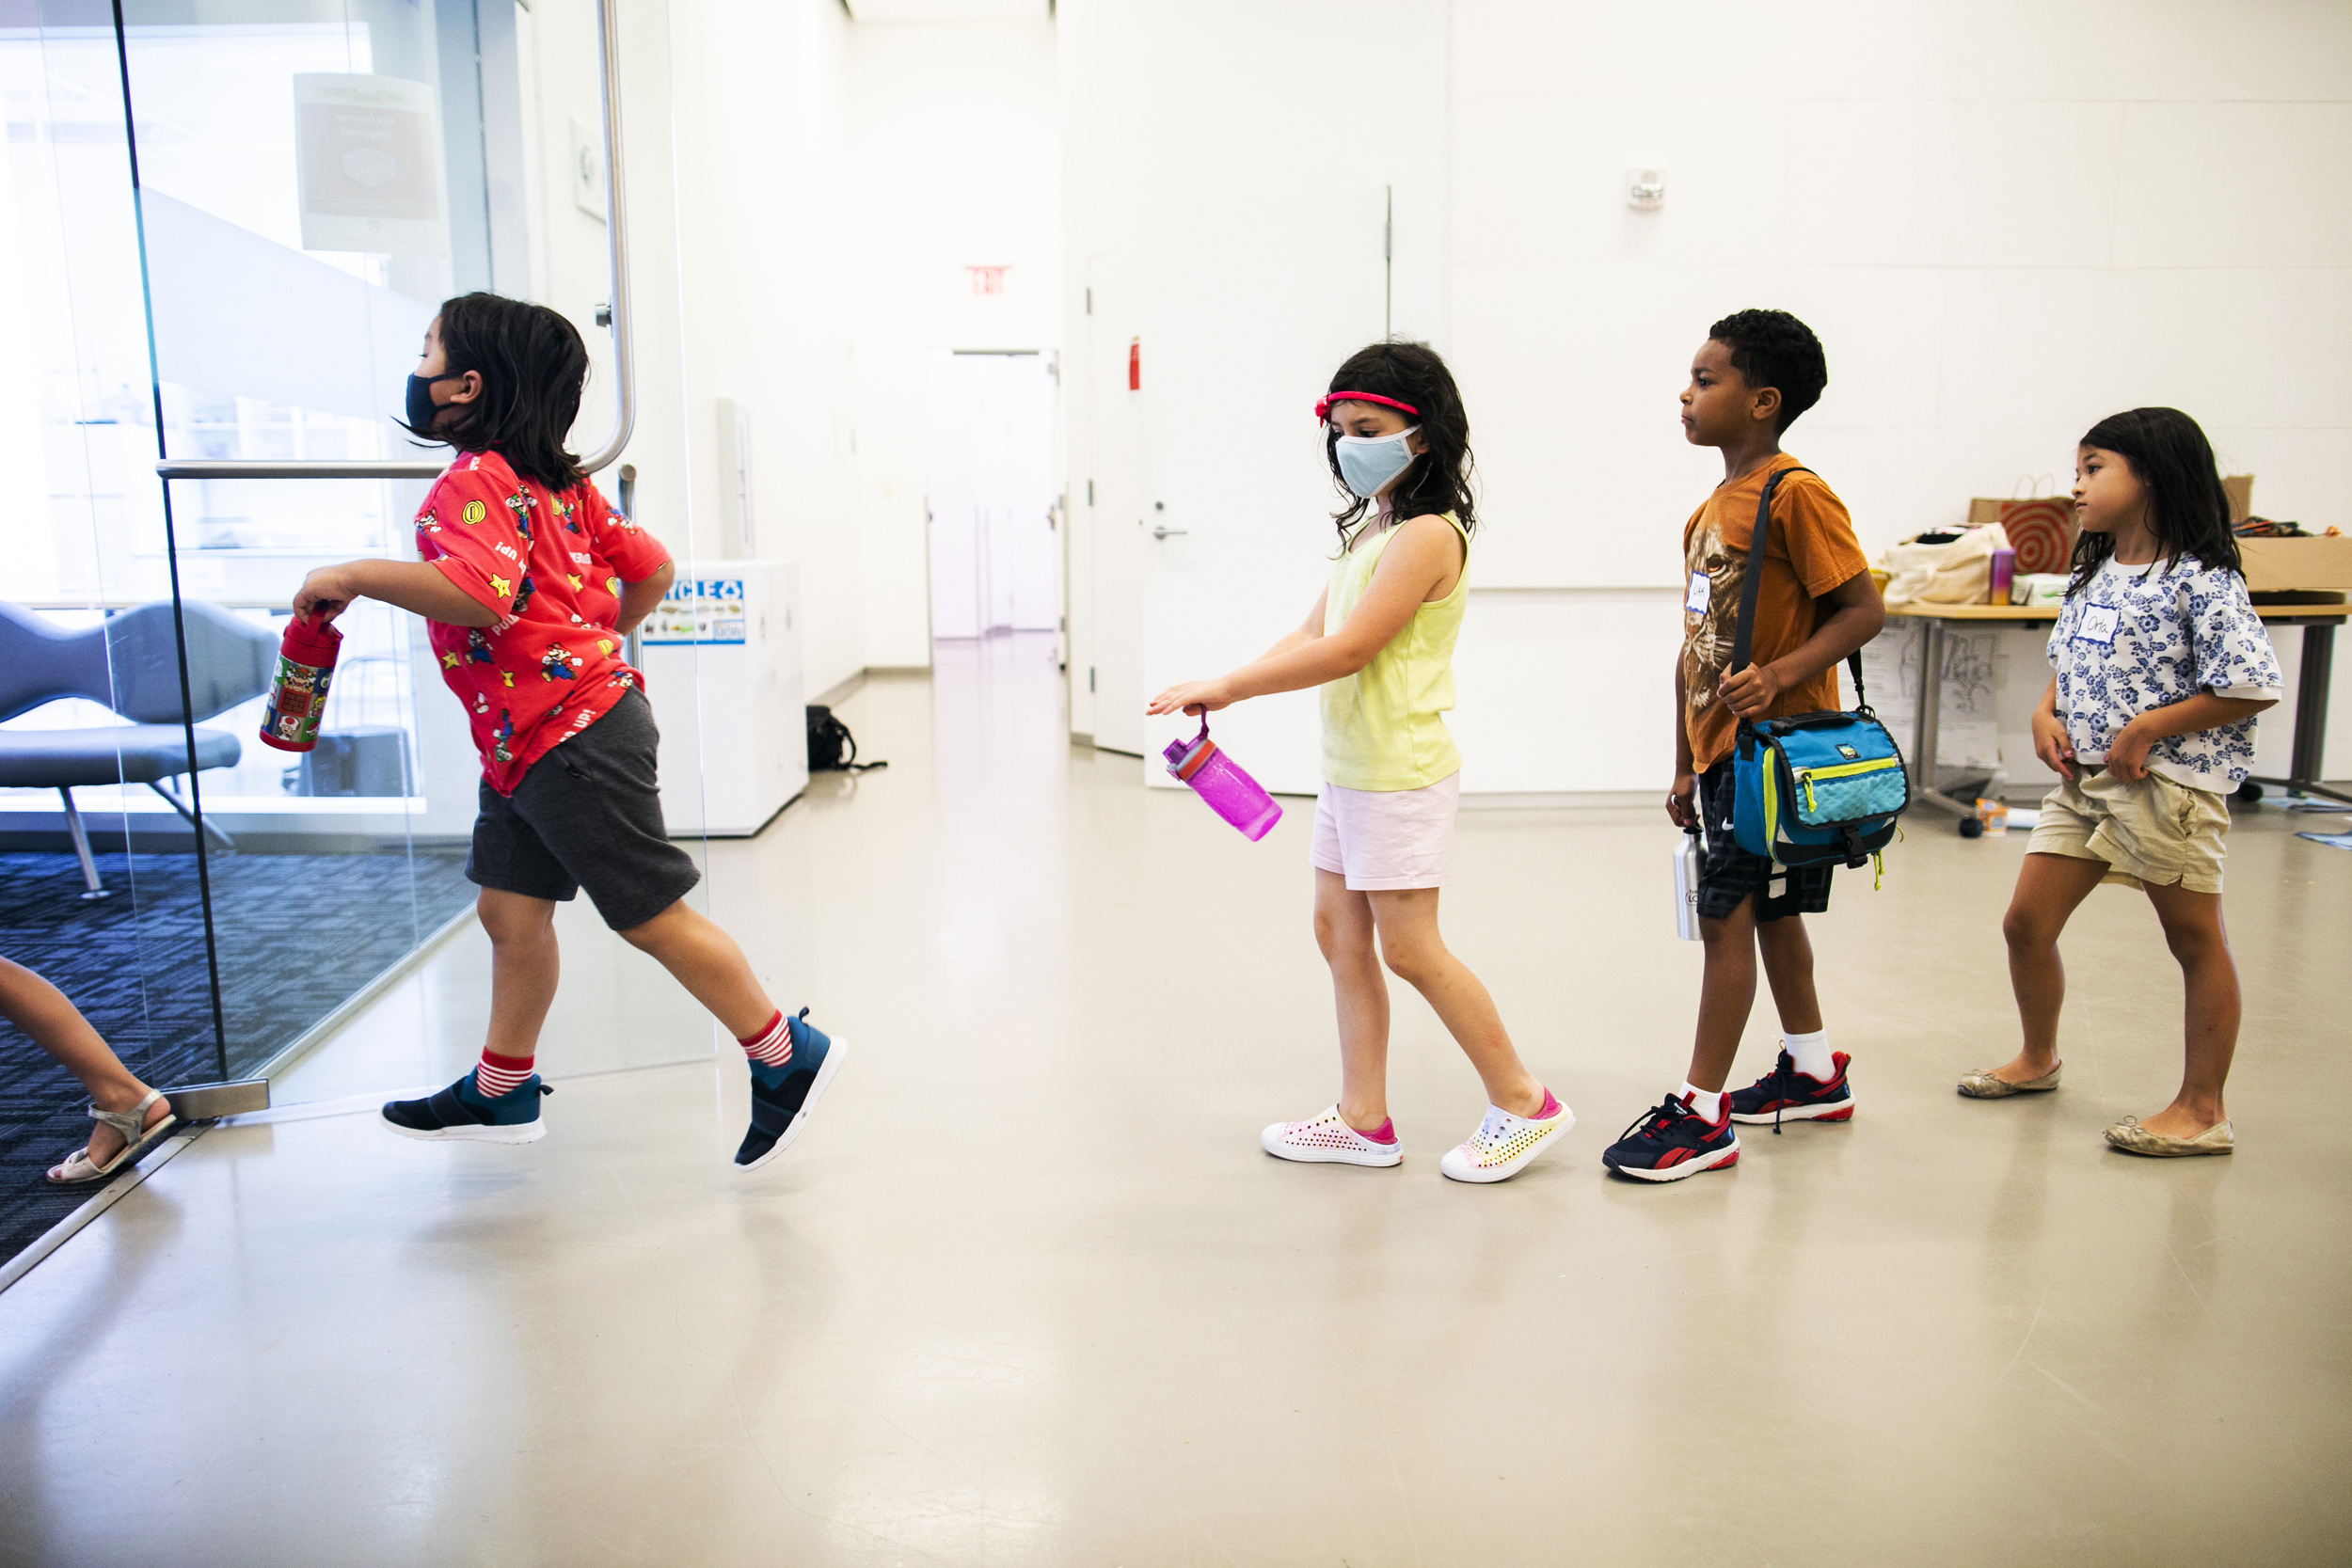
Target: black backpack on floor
831 749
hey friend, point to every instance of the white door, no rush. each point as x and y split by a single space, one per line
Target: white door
995 560
1248 308
1114 671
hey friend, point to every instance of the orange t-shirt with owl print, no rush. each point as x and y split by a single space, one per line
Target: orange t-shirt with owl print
1811 549
551 564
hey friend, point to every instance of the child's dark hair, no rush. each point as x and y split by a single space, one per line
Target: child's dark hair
2187 510
1439 479
533 364
1772 348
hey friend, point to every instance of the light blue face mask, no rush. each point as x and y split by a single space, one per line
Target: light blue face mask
1370 463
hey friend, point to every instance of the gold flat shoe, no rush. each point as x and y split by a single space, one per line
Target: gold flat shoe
1982 1085
2132 1138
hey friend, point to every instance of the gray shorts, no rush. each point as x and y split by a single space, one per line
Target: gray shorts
588 815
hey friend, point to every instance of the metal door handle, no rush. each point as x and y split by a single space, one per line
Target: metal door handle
1160 532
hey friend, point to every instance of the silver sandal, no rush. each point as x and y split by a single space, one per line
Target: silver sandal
136 1139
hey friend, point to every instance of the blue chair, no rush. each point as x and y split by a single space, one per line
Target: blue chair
130 663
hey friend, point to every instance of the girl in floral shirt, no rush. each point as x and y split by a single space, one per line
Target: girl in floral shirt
2161 665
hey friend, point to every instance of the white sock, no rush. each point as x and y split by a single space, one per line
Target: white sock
1706 1104
1812 1055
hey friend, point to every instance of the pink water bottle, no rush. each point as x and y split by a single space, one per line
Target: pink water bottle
1232 794
2004 571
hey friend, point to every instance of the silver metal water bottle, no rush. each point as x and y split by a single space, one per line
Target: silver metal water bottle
1687 856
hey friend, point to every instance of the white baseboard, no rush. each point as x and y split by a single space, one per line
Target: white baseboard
1564 799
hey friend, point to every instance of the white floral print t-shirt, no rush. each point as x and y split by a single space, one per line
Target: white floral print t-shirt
2145 637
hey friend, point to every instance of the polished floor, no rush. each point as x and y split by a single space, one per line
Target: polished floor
1029 1294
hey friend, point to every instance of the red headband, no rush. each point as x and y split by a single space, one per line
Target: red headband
1322 408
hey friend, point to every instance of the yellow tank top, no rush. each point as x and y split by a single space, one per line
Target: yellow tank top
1380 726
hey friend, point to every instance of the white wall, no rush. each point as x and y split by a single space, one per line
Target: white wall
2004 220
1188 114
805 193
955 161
761 105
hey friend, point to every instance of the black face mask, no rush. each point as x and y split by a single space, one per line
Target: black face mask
423 410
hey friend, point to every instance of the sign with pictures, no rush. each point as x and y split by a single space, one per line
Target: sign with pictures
698 612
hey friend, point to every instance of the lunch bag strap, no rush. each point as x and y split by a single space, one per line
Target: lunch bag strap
1751 584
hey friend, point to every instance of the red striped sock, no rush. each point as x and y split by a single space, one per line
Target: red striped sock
495 1076
773 1045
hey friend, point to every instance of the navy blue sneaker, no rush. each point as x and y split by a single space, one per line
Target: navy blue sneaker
461 1111
783 1096
1671 1141
1785 1094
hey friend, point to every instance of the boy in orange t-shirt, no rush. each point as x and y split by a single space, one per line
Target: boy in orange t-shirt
1756 371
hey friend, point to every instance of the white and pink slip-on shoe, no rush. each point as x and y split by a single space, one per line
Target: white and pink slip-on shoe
1328 1140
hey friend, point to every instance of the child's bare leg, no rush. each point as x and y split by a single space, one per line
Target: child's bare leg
1407 922
41 1010
706 960
2193 929
1727 994
1788 969
2049 889
1343 930
524 966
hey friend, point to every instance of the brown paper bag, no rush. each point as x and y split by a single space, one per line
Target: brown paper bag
2240 489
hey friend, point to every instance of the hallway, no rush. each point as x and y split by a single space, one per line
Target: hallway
1028 1293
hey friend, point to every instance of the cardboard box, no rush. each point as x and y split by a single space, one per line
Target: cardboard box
2276 564
2240 489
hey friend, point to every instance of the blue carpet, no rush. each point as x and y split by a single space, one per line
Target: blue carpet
298 934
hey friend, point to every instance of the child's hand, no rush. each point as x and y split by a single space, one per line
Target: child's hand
1682 806
326 593
2051 745
2128 753
1191 697
1752 692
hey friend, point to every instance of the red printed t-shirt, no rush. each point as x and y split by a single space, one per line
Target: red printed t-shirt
551 565
1811 551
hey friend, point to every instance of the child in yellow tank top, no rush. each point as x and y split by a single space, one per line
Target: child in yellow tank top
1379 644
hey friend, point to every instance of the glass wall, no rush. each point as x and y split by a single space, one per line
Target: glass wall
223 230
123 932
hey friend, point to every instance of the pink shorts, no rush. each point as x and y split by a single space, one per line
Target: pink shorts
1384 839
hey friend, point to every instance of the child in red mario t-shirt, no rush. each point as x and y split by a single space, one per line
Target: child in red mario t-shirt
529 583
557 565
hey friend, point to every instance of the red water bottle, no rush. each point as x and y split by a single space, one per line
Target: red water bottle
297 697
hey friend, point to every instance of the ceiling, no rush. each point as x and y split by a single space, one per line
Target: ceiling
950 10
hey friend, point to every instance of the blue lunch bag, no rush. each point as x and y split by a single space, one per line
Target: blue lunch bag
1810 788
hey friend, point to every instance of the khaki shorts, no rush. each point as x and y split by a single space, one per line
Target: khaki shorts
2153 832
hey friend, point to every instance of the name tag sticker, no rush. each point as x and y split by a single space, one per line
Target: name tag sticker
2098 625
1702 593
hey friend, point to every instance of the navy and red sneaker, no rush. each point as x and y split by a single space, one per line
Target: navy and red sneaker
1671 1141
462 1111
783 1097
1785 1094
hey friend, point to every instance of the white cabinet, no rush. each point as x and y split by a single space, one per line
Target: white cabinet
721 658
